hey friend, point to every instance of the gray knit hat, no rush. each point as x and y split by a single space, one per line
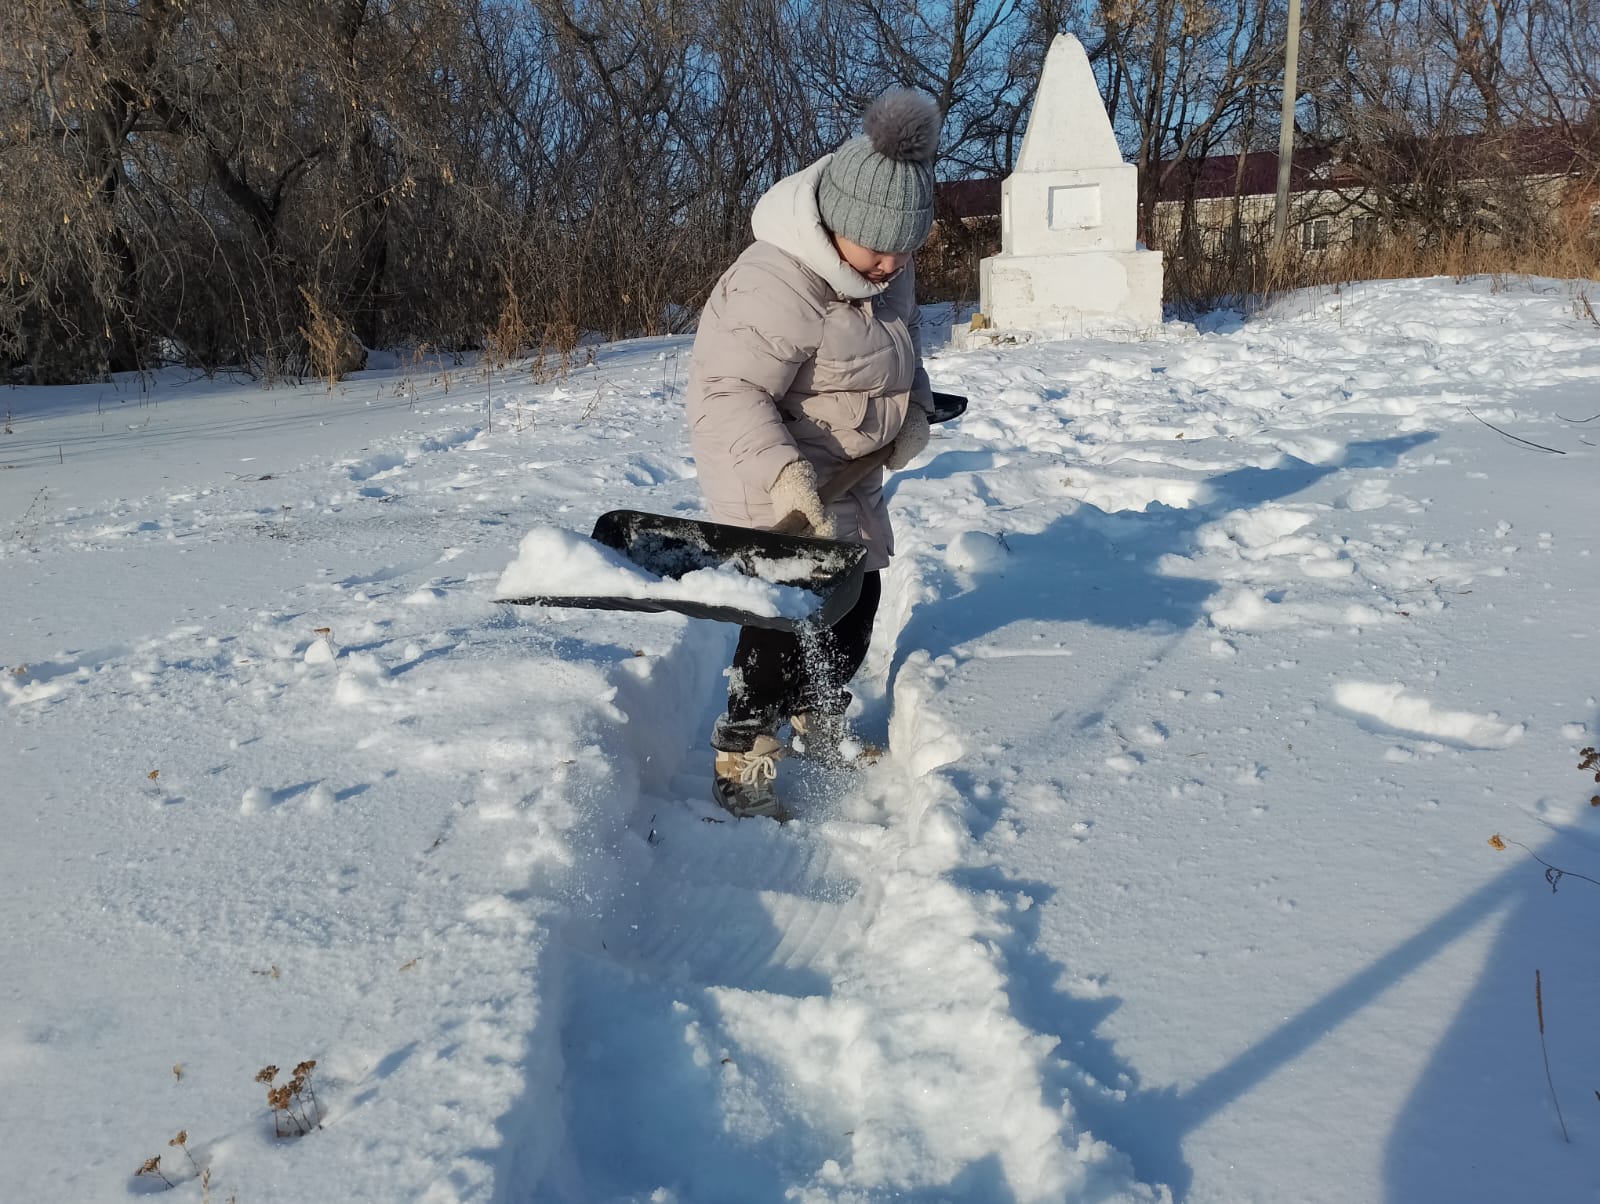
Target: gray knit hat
877 190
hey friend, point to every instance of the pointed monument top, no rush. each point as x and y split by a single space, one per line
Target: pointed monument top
1068 129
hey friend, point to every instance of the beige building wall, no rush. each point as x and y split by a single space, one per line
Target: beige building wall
1324 220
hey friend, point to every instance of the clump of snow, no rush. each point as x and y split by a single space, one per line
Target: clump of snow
321 651
974 551
552 562
1392 706
784 570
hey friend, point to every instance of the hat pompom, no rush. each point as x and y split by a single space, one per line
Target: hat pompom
902 124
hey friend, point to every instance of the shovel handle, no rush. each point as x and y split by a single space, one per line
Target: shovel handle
835 487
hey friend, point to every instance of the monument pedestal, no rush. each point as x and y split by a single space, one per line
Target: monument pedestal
1065 294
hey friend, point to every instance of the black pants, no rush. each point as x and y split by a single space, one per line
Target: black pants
778 673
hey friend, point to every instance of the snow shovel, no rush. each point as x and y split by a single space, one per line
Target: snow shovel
828 571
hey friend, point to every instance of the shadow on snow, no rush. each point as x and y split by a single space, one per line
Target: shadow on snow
1093 567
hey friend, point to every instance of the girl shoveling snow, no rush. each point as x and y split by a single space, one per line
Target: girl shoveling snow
808 357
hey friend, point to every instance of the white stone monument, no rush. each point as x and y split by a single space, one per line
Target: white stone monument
1070 261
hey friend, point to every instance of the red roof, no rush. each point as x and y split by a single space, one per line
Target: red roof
1531 152
1250 174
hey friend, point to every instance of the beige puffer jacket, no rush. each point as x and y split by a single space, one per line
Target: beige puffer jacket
799 356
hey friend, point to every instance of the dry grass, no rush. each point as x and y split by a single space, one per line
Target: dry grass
331 347
295 1110
512 333
1251 275
1246 275
947 267
1560 253
151 1167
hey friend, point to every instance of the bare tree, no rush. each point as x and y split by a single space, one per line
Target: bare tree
222 180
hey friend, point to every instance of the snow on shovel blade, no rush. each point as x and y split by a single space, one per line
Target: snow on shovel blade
828 571
670 551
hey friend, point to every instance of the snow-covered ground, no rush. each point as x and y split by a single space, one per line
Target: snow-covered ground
1207 668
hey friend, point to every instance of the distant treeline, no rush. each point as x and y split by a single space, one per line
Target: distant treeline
255 182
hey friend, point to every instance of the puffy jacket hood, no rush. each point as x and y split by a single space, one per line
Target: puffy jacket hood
787 217
799 357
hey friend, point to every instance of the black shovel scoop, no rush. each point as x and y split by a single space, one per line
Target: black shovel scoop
669 547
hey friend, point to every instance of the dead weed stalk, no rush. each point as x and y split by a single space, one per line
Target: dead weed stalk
295 1111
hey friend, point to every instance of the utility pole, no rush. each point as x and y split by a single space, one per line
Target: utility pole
1291 72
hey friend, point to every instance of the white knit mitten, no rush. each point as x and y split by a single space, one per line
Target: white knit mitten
796 490
913 437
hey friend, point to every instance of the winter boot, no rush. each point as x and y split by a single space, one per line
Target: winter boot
826 738
742 784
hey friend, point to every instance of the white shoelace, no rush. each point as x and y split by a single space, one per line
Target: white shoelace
758 767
